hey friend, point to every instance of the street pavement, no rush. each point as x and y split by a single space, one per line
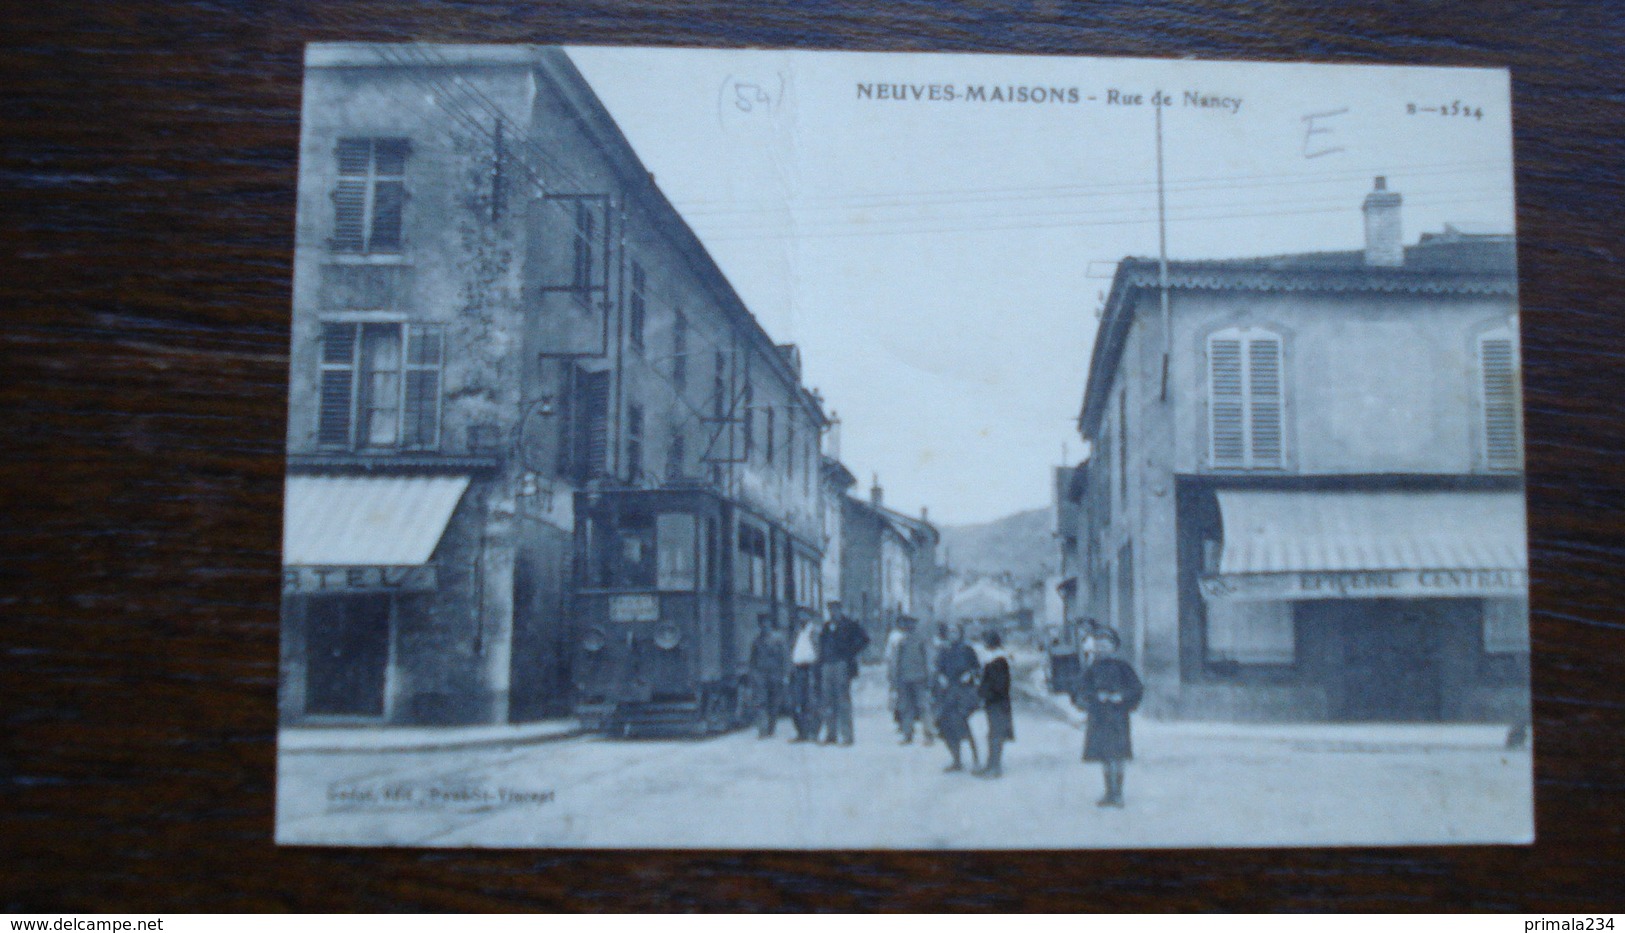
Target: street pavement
738 791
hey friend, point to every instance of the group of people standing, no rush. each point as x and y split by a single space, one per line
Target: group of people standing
936 684
810 676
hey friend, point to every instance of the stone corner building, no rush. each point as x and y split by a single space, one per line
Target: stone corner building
494 309
1304 498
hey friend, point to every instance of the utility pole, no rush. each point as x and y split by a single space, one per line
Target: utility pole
1162 257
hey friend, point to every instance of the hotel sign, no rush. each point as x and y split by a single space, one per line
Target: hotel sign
305 581
1365 584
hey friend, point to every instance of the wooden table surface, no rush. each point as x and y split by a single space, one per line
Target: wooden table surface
148 167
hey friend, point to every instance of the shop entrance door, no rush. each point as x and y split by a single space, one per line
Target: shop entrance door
1391 660
347 655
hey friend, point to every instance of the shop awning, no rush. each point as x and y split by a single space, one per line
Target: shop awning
1291 531
1286 545
351 521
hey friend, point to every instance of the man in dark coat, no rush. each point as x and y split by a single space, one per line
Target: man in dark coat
839 645
1110 691
994 690
769 667
956 672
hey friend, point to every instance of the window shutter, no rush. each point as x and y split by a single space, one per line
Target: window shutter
1227 400
595 412
337 389
350 208
388 207
354 155
1498 369
1264 399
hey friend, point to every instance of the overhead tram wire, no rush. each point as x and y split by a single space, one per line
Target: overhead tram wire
850 230
1032 192
1081 212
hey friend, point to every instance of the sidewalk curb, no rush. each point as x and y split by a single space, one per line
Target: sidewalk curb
1060 707
450 744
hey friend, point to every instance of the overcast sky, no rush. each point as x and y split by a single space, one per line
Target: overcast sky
941 263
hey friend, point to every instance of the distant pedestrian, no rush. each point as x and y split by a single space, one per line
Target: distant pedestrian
1111 691
769 667
994 690
804 705
888 662
839 645
910 674
956 672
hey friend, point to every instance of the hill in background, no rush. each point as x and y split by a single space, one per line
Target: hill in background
1022 545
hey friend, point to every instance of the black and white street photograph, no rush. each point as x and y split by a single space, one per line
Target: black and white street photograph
837 450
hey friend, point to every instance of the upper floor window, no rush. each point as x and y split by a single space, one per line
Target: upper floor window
639 307
791 451
370 199
770 432
380 386
750 422
679 352
1498 385
581 257
634 442
1245 399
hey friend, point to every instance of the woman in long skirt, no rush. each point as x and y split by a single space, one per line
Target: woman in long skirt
956 685
1110 691
994 692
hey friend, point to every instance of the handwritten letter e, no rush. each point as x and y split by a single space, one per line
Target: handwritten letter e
1312 149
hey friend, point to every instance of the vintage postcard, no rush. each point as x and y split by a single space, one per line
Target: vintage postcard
848 450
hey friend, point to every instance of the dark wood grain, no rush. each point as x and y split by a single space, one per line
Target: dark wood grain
148 168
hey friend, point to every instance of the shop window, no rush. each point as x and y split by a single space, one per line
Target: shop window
1498 385
380 386
675 535
1250 632
1506 626
369 199
1246 406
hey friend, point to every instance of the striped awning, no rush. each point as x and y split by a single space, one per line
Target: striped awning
351 521
1328 531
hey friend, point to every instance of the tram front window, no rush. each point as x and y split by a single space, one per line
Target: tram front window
639 550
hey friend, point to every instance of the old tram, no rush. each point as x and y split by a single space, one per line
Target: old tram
669 585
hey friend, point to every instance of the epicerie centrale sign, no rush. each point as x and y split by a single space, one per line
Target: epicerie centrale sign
1365 583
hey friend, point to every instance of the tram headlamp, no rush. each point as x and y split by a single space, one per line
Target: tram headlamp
667 636
593 640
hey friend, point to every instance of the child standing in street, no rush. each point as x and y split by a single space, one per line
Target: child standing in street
1110 691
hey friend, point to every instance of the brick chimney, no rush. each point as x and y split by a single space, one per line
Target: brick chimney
1384 240
876 494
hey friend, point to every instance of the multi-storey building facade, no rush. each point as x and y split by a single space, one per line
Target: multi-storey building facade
495 308
888 564
1304 497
